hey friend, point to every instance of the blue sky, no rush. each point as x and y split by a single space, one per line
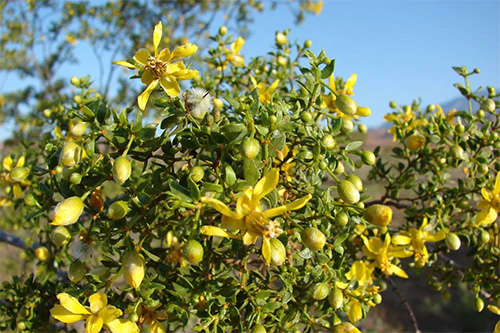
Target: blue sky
399 49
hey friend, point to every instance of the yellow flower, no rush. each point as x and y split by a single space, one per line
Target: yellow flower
315 7
99 313
175 255
265 92
8 183
148 316
234 56
329 100
286 165
160 68
250 219
417 238
406 119
382 253
490 206
449 117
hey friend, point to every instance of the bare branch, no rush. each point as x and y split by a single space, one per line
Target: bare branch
413 319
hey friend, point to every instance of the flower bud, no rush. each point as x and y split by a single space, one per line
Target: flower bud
118 210
336 298
18 174
341 219
121 169
250 147
415 141
42 253
485 236
347 125
75 81
76 271
259 329
222 30
320 291
278 252
281 38
377 299
134 265
307 44
452 241
393 105
431 108
362 128
60 236
348 192
345 328
218 104
75 178
68 211
282 61
488 105
460 129
379 215
363 111
78 129
368 157
339 169
30 200
193 251
457 152
101 271
329 142
356 181
197 173
478 304
70 154
313 238
306 117
346 104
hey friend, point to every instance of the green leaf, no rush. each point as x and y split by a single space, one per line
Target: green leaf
328 70
151 256
250 171
179 191
354 145
194 190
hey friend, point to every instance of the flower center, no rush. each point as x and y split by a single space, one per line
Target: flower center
272 229
157 67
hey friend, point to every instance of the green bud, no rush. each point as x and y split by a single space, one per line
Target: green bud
491 91
362 128
485 236
339 169
18 174
75 178
482 169
341 219
250 148
70 154
133 317
368 157
377 299
478 304
76 271
281 39
488 105
42 253
222 30
379 215
480 114
336 298
320 291
348 192
329 142
197 174
460 129
347 125
431 108
193 251
278 252
21 326
346 104
75 81
307 44
393 105
258 329
313 238
457 152
356 181
452 241
306 117
463 204
30 200
60 236
118 210
122 168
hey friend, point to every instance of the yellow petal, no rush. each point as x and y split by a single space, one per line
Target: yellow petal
494 309
147 77
374 245
237 45
122 326
297 204
214 231
355 312
156 327
398 271
273 86
71 304
65 316
486 216
231 224
123 63
20 161
496 190
221 208
186 74
250 238
486 194
17 191
331 83
401 240
142 100
265 185
109 314
7 163
266 250
351 81
184 51
170 85
438 236
164 55
400 253
157 33
98 301
93 324
142 56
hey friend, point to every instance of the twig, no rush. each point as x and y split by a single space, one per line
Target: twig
14 240
389 203
413 319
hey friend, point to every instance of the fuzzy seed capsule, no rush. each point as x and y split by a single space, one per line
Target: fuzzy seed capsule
18 174
341 219
329 142
368 157
488 105
193 251
60 236
118 210
278 252
452 241
70 154
68 211
320 291
348 192
76 271
250 147
122 168
281 38
356 181
134 265
415 141
346 104
336 298
313 238
379 215
347 125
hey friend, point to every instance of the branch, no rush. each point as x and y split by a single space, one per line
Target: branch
389 203
413 319
14 240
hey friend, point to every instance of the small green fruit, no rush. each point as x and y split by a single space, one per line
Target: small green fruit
339 169
341 219
60 236
379 215
320 291
478 304
346 104
393 105
377 299
362 128
118 210
306 117
313 238
348 192
336 298
488 105
197 174
368 157
222 30
18 174
347 125
278 252
70 154
122 168
329 142
457 152
250 147
452 241
193 251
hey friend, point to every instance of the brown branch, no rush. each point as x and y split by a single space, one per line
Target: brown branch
389 203
413 319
